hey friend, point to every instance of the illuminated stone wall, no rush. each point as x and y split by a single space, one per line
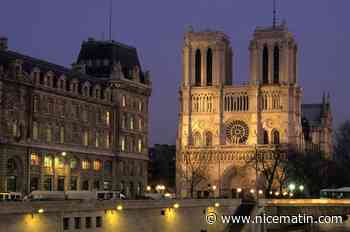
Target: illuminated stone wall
144 216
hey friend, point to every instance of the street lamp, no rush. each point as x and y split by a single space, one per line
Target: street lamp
148 188
301 188
64 154
291 187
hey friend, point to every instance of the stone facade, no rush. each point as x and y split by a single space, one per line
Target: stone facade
74 129
221 123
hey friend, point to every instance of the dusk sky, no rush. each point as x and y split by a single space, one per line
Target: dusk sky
54 30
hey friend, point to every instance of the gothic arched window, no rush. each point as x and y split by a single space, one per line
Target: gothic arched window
208 139
197 139
276 137
209 67
265 65
266 137
276 65
198 67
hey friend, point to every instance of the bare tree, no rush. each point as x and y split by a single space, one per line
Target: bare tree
194 170
271 165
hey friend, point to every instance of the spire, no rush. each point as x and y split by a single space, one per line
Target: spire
274 14
110 19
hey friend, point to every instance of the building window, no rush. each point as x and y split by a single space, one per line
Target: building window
85 186
35 130
140 124
88 222
96 185
108 138
85 164
73 163
197 139
140 106
74 183
208 139
59 162
49 134
15 129
122 143
34 159
98 222
198 67
108 167
209 67
62 134
131 123
139 145
36 104
48 161
107 185
266 137
48 183
85 115
77 223
108 118
86 138
124 101
265 65
65 223
276 137
123 121
97 165
97 139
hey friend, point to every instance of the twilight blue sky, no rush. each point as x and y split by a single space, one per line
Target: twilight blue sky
53 30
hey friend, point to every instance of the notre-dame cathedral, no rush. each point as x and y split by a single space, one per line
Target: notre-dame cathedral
221 122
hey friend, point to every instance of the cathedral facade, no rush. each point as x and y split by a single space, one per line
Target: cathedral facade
221 123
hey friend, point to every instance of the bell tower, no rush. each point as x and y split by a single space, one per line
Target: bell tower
207 59
273 56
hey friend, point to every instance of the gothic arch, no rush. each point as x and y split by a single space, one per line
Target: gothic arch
197 139
208 139
265 65
275 135
265 137
209 67
198 67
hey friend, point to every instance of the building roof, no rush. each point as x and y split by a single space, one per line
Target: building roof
7 57
115 52
312 113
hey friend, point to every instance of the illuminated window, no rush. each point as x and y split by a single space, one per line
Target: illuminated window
108 138
62 134
14 129
97 165
85 164
35 130
132 123
123 121
122 143
48 161
140 124
34 159
140 106
97 139
123 101
86 138
59 162
108 118
73 163
139 145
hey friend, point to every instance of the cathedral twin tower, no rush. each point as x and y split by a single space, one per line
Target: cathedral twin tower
219 121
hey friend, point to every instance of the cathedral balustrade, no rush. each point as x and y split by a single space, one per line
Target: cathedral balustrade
203 103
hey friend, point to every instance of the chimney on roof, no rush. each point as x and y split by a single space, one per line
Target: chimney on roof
3 43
